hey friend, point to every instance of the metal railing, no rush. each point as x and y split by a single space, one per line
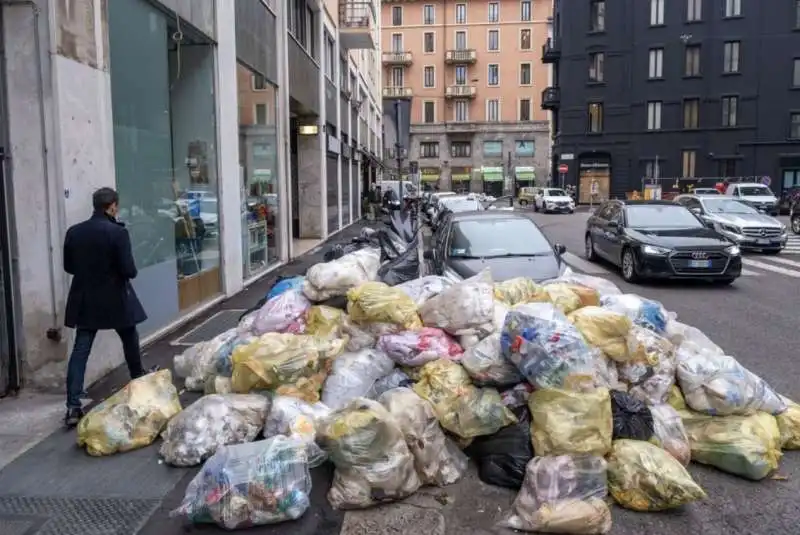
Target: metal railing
467 55
397 92
461 91
397 57
356 14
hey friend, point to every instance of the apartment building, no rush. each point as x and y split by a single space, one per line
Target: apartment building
473 73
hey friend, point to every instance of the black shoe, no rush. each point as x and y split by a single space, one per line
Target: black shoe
73 417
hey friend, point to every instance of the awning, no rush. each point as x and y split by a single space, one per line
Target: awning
429 178
492 174
429 174
525 173
461 174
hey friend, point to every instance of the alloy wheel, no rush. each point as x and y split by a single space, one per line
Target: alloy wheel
796 224
589 248
628 268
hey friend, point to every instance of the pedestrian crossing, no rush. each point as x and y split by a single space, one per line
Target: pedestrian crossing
793 245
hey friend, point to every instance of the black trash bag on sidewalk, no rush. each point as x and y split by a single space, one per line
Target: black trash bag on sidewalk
402 268
339 250
502 457
632 418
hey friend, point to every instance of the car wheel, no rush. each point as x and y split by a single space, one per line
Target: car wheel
523 203
796 224
589 249
629 266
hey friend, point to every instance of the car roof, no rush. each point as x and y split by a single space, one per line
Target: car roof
473 215
649 202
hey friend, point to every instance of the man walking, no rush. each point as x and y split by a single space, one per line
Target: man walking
97 253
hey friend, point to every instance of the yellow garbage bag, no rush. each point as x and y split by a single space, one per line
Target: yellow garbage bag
676 399
462 408
132 418
604 329
746 446
563 297
589 296
519 290
643 477
565 422
324 321
376 302
290 364
789 425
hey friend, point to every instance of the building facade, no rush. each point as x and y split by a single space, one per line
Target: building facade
676 93
473 73
238 134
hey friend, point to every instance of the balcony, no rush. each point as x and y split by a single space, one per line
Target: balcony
551 98
461 91
397 92
461 57
396 58
357 25
551 51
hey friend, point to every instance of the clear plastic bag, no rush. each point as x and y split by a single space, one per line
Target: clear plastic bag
643 477
649 372
437 459
375 302
690 339
561 295
519 290
602 286
547 349
467 307
643 312
335 278
286 284
373 462
296 419
604 329
353 375
199 362
571 423
218 384
670 434
284 313
415 348
486 365
517 396
563 494
423 288
325 321
789 425
720 385
211 422
395 379
132 418
251 485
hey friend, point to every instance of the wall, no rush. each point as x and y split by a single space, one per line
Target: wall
311 183
199 13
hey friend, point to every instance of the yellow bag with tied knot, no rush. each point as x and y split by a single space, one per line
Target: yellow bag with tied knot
376 302
604 329
519 290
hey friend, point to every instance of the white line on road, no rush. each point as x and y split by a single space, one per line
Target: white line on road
785 261
770 267
748 273
583 265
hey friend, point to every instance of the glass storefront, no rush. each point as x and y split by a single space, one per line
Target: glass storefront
345 165
258 166
332 177
163 103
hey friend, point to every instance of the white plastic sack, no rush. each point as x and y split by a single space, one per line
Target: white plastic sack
720 386
670 434
199 362
416 348
467 307
650 370
394 379
486 365
690 339
603 286
282 313
211 422
643 312
353 375
331 279
423 288
296 419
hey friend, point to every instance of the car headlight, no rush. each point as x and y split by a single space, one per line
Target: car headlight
730 228
733 250
783 228
653 250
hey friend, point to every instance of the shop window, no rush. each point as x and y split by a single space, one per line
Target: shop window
525 148
461 149
492 148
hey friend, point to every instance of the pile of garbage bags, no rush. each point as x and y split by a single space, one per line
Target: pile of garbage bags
568 391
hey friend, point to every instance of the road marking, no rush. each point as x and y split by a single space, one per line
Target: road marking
785 261
770 267
583 265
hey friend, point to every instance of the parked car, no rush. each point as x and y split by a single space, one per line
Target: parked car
507 242
527 195
794 218
737 221
554 200
456 203
757 195
660 240
706 191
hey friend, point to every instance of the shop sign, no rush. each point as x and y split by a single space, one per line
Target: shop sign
460 174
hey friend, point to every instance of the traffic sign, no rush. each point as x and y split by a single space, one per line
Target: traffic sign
766 180
563 168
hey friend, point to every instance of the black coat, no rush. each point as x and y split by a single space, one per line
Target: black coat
98 254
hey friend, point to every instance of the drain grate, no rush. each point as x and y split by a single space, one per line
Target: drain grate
216 324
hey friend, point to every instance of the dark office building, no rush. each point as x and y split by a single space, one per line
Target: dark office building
674 89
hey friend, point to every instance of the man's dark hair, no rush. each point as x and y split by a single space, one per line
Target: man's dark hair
103 198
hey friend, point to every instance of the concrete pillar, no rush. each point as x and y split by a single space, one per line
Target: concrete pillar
313 206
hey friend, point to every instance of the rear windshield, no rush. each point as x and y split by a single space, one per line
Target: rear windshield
752 191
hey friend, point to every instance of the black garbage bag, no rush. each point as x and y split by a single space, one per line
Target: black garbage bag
402 268
389 250
341 249
400 222
502 457
340 302
632 418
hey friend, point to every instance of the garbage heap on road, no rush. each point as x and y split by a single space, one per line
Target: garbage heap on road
568 391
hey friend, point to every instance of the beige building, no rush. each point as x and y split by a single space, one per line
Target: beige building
474 74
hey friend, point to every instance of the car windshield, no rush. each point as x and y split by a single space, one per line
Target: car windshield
488 238
556 193
751 191
707 191
462 205
662 216
728 206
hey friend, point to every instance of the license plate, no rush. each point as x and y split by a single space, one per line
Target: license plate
763 242
697 264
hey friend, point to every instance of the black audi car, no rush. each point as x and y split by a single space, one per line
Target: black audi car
660 240
507 242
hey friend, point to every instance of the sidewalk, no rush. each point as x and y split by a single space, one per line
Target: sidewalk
54 488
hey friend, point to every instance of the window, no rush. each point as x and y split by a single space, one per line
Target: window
652 169
494 74
492 148
731 59
492 110
261 114
397 76
462 110
595 117
656 12
596 62
494 12
525 147
525 109
654 115
428 43
428 14
597 16
525 74
429 77
494 40
691 113
397 42
429 112
258 83
525 39
525 11
656 63
429 149
343 78
730 107
733 8
694 10
461 74
727 168
797 13
461 40
461 149
692 67
461 13
397 15
794 121
330 56
689 157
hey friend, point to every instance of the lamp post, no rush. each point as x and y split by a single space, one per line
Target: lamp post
398 147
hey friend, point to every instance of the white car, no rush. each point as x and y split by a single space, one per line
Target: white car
756 195
553 200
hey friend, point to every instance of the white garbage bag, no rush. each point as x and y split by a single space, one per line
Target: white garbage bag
416 348
353 375
296 419
690 339
603 286
199 362
644 312
649 371
423 288
331 279
486 365
467 307
283 313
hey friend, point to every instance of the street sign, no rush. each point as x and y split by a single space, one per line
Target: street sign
563 168
766 180
567 157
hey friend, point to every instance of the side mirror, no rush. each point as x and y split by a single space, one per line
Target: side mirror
428 255
560 249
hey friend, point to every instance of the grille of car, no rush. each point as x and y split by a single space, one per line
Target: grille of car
759 232
681 263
